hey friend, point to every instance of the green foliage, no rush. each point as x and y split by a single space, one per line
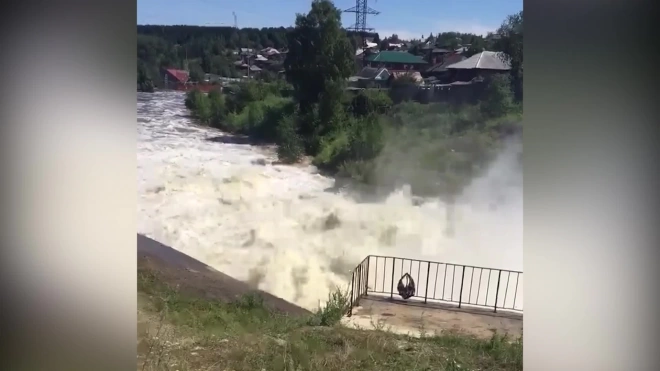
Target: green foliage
333 311
499 96
196 72
370 101
252 108
511 44
144 80
203 108
290 145
192 98
217 107
320 54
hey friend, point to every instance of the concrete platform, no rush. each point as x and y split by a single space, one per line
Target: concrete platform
416 318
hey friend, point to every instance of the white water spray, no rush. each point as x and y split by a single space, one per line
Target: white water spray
278 228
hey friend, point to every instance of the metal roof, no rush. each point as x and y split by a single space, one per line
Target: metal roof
395 57
370 73
179 75
482 61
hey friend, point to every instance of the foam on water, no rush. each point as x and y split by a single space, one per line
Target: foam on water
268 224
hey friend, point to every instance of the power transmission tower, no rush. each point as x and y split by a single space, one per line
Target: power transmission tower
235 21
361 9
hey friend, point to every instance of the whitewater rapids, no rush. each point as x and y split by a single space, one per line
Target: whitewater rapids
225 204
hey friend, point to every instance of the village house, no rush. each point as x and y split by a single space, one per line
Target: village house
398 64
252 62
370 77
480 65
438 72
175 79
436 55
395 61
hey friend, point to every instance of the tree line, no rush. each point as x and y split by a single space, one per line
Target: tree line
210 49
206 49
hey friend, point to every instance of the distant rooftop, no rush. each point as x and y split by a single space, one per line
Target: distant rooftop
448 61
483 61
179 75
395 57
370 73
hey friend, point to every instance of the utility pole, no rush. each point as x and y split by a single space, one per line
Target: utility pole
248 63
185 63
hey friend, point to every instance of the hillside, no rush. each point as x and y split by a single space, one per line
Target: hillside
193 318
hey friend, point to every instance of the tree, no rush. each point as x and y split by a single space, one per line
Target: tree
290 147
511 44
320 58
498 94
477 45
196 72
144 81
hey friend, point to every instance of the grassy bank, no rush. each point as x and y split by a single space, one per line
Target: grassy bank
183 333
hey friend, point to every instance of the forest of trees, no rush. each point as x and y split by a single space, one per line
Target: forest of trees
206 49
364 136
209 49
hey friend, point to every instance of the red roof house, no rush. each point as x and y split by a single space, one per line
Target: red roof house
179 76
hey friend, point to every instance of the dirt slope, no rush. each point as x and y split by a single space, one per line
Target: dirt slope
192 277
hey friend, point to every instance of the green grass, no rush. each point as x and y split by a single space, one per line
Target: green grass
181 333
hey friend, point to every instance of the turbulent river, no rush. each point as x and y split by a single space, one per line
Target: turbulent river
226 204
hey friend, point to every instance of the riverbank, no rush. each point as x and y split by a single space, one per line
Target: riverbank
437 149
191 317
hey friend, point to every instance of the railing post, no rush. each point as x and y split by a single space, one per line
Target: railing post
359 284
497 291
428 273
392 288
366 284
350 309
460 294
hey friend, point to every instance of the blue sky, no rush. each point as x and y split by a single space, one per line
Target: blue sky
414 19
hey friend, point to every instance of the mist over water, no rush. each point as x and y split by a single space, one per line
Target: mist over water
279 228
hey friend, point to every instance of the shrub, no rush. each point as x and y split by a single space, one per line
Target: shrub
498 96
146 86
191 98
290 146
263 121
200 105
370 101
334 310
203 109
218 108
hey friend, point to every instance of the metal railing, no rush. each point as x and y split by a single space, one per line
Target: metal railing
438 282
359 287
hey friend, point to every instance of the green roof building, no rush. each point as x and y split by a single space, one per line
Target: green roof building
395 60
